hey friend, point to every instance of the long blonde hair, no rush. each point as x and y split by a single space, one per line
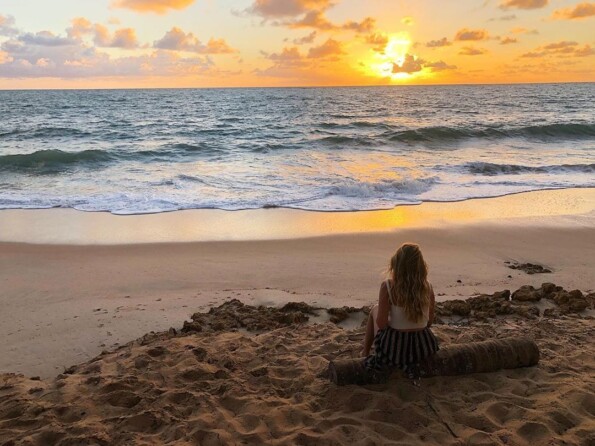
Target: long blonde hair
411 289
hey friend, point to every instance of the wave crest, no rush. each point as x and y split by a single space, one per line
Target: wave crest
48 161
480 168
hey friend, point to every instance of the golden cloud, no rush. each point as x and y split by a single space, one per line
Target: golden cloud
410 65
564 48
102 37
317 20
178 40
329 48
7 26
508 41
5 57
378 41
439 66
471 51
306 39
438 43
524 4
580 11
472 34
156 6
286 8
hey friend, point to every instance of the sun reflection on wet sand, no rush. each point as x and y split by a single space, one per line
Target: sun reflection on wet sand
67 226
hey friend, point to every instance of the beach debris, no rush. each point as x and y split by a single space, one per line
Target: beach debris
529 268
452 360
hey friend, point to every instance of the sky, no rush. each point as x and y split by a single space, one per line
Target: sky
269 43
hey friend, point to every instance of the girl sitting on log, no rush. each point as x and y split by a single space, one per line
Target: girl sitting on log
399 326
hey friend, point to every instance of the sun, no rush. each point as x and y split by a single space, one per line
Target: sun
394 55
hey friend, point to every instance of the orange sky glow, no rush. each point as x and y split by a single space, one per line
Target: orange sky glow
258 43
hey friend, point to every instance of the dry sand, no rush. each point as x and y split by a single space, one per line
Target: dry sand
226 387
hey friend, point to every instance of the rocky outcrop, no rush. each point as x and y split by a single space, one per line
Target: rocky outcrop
519 303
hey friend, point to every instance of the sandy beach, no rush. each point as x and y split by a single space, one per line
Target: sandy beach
64 304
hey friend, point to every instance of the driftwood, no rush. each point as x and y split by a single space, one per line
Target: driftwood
455 359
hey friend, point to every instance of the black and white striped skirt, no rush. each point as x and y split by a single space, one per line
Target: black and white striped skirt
394 348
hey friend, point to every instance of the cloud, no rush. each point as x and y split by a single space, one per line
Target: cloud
410 65
288 58
121 38
178 40
44 54
218 46
520 30
318 21
378 41
438 43
7 27
565 48
470 51
5 57
580 11
306 39
439 66
286 8
124 38
297 14
80 27
84 62
508 41
365 26
524 4
156 6
45 38
328 49
534 54
471 34
585 51
504 18
560 46
290 62
313 19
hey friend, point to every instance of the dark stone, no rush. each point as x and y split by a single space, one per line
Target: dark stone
456 307
530 268
527 293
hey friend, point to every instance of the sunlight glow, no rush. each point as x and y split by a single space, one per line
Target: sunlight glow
383 63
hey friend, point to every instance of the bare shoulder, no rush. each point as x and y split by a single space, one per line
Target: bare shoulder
385 285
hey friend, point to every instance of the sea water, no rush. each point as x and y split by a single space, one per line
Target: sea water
331 149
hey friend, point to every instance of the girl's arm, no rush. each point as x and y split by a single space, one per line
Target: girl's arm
432 305
383 307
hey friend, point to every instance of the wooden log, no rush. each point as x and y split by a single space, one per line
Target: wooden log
454 359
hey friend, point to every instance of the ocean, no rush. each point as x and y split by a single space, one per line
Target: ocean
327 149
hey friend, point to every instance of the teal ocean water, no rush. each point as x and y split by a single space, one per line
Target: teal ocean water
140 151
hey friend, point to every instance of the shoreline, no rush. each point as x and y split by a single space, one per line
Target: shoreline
59 226
89 324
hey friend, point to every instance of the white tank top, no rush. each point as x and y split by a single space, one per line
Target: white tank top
398 319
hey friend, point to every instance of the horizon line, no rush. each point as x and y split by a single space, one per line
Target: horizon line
298 86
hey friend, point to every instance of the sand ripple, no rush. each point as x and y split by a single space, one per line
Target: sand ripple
234 387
